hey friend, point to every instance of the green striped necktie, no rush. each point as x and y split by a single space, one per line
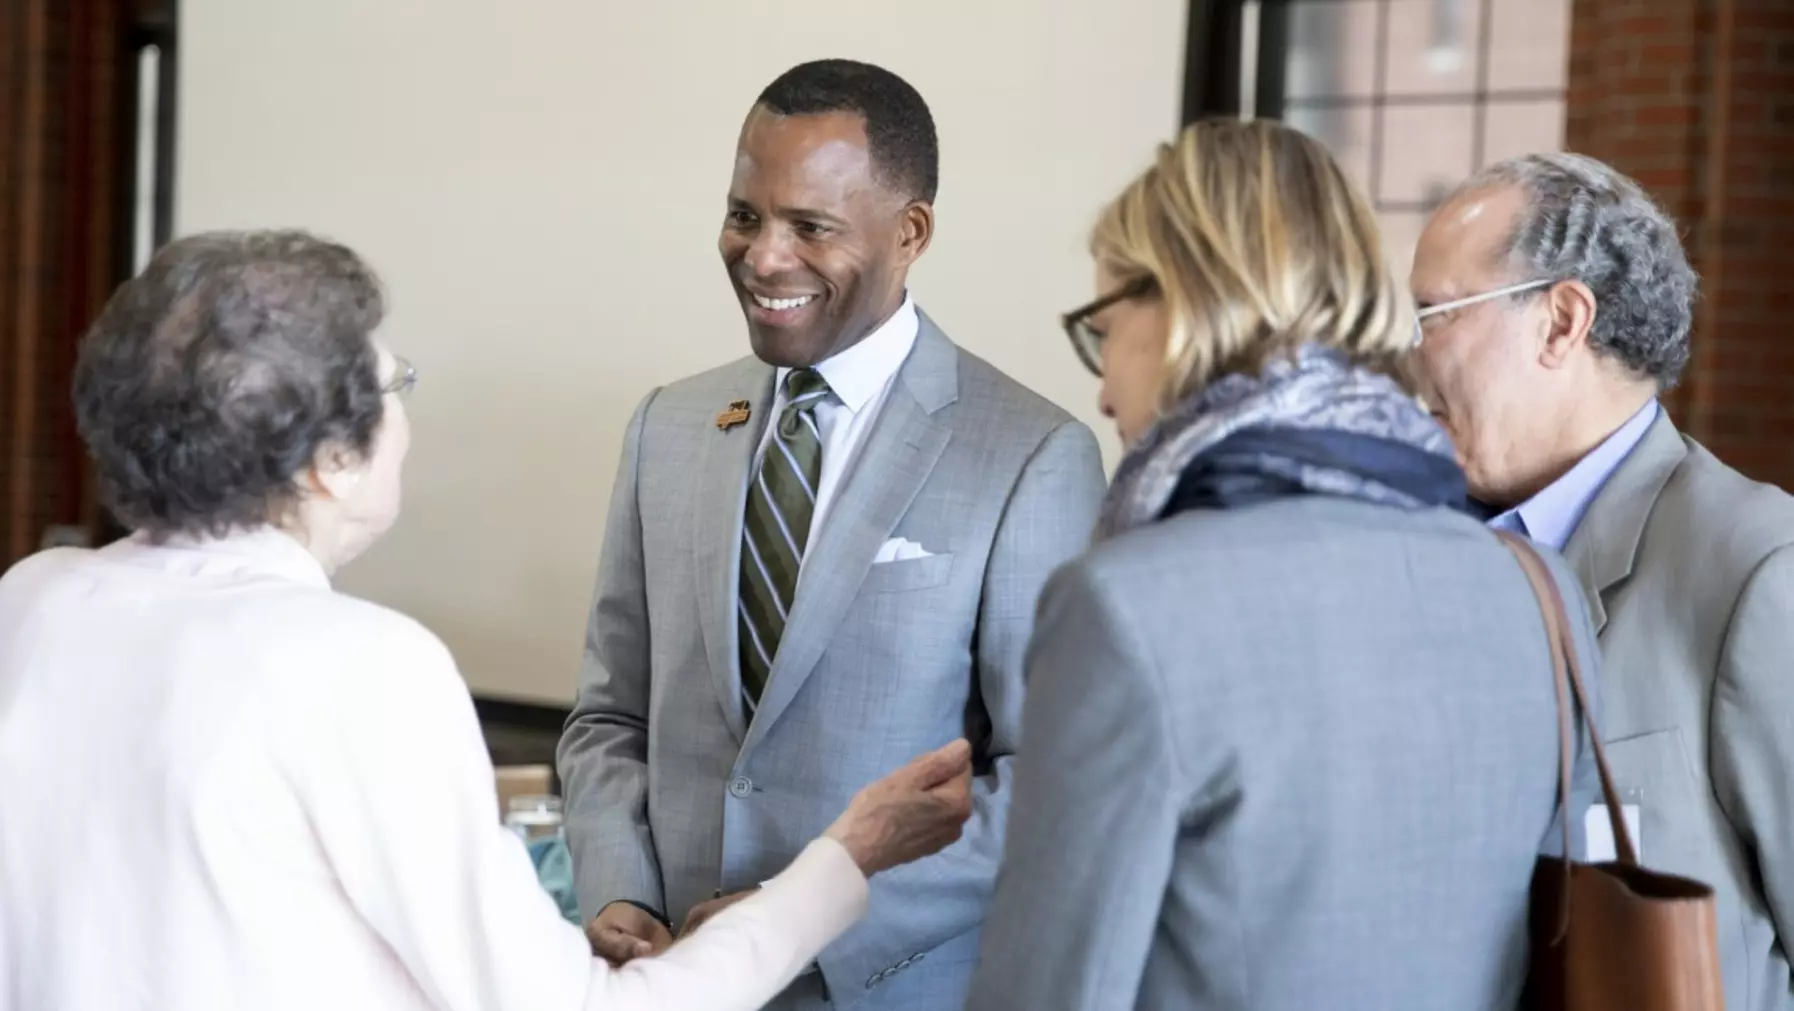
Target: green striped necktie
776 527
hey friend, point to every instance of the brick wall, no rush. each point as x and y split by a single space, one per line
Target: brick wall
1695 99
60 106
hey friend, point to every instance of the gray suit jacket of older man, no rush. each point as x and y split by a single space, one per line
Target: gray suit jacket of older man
1296 756
674 795
1689 571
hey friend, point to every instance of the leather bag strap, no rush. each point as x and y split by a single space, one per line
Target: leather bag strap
1567 667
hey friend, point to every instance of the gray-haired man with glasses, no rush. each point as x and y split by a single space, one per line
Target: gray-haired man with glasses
1556 303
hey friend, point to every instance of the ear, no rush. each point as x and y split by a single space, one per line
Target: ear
334 473
1571 309
915 230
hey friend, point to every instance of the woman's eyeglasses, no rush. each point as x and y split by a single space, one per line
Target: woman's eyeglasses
404 378
1086 339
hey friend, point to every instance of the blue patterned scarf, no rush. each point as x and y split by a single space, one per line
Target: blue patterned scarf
1309 424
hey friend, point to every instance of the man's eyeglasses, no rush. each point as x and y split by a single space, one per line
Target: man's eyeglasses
1459 303
1086 339
404 378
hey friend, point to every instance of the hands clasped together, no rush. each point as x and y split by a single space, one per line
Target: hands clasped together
912 813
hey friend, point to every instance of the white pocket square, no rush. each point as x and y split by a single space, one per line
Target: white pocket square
898 549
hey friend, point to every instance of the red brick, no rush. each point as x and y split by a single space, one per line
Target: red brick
1666 114
1756 393
1749 53
1756 269
1665 178
1640 97
1748 20
1657 85
1642 150
1757 83
1641 27
1763 215
1663 55
1780 302
1727 357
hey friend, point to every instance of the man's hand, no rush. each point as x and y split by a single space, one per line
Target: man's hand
912 813
705 910
621 932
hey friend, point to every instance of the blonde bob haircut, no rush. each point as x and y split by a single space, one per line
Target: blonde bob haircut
1258 244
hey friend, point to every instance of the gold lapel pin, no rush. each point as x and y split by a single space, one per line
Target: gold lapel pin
737 414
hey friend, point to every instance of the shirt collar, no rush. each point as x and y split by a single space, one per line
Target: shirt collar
261 552
1551 516
857 374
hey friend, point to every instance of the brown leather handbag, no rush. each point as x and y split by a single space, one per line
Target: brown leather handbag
1610 936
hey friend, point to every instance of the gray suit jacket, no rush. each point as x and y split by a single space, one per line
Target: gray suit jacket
673 795
1689 571
1302 755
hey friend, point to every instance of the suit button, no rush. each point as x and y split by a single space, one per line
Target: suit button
740 786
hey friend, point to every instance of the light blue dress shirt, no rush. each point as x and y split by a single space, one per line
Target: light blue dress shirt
1551 516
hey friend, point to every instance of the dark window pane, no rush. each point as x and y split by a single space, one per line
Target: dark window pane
1332 48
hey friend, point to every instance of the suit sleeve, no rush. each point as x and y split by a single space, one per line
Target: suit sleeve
1752 732
1097 774
1047 521
603 755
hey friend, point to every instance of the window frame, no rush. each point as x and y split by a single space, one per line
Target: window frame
1213 59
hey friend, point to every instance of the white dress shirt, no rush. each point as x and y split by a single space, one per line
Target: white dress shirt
858 379
225 786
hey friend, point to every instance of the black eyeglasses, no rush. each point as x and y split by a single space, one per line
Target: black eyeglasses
1086 339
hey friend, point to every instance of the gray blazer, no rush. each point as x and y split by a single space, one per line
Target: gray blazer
1689 571
1301 755
673 795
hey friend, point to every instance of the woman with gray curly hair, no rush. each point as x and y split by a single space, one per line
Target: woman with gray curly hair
226 785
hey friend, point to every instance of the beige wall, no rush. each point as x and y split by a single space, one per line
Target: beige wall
540 182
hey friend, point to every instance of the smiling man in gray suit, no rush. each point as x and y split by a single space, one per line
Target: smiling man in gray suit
1556 304
820 561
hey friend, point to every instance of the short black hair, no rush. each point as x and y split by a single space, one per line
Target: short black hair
211 380
899 128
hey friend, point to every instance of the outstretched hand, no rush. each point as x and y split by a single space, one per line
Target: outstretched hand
914 812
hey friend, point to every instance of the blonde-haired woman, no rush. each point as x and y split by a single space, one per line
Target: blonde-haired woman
1291 735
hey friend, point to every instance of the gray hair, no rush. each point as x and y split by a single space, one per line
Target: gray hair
215 376
1585 221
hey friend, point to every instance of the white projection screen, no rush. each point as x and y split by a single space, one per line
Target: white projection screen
540 184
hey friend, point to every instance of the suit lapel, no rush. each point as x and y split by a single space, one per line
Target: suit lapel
1604 545
728 462
898 455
